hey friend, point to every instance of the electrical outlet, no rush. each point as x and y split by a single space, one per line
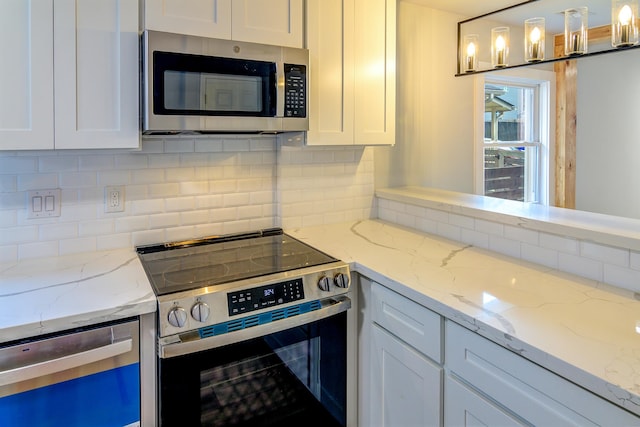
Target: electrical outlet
114 198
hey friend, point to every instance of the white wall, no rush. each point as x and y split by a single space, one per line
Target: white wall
608 134
177 188
434 138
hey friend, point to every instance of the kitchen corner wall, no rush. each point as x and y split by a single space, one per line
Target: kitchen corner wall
178 188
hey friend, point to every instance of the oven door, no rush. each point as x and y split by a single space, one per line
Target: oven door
295 376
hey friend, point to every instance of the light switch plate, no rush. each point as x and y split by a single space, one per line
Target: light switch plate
43 203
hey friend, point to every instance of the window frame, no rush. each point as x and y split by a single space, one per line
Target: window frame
544 83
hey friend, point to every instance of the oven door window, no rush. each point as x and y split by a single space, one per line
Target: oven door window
213 86
293 377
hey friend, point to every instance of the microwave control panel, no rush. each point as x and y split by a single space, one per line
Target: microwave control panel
295 90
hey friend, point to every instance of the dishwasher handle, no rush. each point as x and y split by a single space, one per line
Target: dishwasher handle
41 369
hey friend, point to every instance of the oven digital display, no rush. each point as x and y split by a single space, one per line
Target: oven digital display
248 300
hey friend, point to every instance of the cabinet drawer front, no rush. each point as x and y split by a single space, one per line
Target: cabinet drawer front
465 407
409 321
535 394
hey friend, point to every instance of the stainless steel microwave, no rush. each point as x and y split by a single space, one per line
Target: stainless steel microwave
201 85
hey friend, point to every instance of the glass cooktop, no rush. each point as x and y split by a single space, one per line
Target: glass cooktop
181 266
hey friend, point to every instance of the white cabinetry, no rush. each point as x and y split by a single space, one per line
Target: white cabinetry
86 53
275 22
404 377
352 47
522 392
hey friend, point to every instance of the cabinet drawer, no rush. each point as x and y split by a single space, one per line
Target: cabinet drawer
409 321
465 407
524 388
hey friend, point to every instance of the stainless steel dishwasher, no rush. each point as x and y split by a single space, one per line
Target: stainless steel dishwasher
85 377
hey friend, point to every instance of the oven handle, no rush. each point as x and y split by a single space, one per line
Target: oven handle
191 343
48 367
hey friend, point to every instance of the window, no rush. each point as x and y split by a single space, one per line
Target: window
513 143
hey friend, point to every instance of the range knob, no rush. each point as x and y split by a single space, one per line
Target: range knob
324 283
341 280
177 317
200 311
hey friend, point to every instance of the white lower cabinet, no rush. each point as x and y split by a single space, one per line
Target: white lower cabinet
464 407
402 355
517 387
405 385
418 369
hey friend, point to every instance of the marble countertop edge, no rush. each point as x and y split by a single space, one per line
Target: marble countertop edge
594 227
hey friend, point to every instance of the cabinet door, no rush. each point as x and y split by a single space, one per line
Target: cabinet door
464 407
26 74
205 18
405 386
374 72
96 74
352 45
276 22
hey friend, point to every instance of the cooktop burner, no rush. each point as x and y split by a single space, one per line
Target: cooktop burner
182 266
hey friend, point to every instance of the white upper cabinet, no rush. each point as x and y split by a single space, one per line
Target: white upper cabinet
274 22
204 18
86 53
96 45
352 45
26 74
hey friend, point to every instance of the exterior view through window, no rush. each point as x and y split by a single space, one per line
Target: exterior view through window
516 129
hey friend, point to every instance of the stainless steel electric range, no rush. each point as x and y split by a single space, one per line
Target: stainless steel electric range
251 331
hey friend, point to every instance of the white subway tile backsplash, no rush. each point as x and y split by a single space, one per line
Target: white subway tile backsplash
635 260
8 254
489 227
180 204
177 188
623 277
77 179
449 231
79 245
28 182
18 165
58 231
559 243
539 255
462 221
581 266
606 254
504 246
151 206
38 250
96 228
113 241
521 234
475 238
57 164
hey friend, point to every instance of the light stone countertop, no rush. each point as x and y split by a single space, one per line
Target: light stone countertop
580 329
54 294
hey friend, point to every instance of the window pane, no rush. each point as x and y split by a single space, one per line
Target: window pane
510 173
508 113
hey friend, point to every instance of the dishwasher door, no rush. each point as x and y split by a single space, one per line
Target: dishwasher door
88 377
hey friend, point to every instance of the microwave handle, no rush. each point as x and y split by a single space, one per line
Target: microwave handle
76 360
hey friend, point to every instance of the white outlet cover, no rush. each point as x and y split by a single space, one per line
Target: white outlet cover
109 206
43 203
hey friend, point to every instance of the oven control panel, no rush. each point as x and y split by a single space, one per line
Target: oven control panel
191 310
248 300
